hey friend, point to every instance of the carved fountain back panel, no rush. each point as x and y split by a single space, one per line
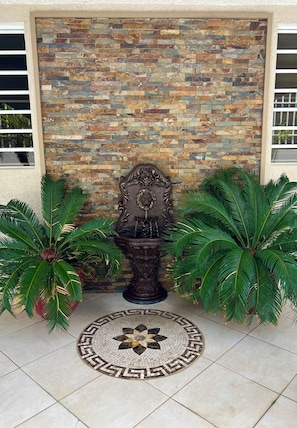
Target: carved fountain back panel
145 207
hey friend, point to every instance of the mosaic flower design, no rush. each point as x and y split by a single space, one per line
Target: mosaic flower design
140 338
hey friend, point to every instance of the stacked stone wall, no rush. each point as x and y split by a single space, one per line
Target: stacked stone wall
184 94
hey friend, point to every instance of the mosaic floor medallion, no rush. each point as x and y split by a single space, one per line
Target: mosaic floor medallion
140 344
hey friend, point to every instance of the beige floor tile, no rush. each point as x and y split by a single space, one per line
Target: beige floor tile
173 303
21 398
6 366
260 361
113 403
244 327
10 324
67 371
169 385
55 416
173 415
91 296
291 390
289 312
218 338
182 306
225 398
283 414
116 302
283 335
33 342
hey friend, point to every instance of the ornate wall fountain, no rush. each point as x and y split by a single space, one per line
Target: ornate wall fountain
145 212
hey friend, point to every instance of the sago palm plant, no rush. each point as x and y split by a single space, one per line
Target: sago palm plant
41 259
235 246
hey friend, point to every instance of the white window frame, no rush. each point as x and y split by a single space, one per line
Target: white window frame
288 113
14 28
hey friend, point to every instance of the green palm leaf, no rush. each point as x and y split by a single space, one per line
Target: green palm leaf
235 280
68 278
28 220
231 196
268 298
208 291
13 231
52 194
282 266
180 235
68 211
32 281
99 227
110 254
10 250
281 211
9 281
196 204
57 310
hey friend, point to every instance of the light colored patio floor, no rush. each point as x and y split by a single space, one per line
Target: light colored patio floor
246 377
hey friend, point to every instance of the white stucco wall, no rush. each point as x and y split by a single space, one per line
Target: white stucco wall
24 183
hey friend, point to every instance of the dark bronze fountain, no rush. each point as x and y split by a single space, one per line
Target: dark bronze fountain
145 212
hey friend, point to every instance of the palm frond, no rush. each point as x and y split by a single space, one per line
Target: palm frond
180 234
268 298
99 228
236 277
281 266
52 195
281 210
287 198
57 311
28 220
68 210
275 189
208 290
31 282
256 205
9 281
10 250
199 202
12 229
229 194
110 254
68 278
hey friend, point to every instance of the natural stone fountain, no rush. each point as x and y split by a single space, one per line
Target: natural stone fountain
145 212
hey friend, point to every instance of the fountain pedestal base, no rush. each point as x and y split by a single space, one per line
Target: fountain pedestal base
144 256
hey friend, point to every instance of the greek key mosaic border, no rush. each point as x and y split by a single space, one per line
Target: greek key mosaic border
192 350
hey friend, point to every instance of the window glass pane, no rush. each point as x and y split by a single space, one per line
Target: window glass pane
13 62
284 136
15 140
286 61
14 83
17 159
285 99
15 121
287 41
286 80
17 102
10 42
284 155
